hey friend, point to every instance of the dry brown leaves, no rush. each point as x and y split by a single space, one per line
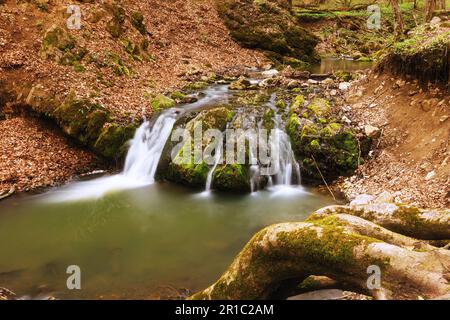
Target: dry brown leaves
34 154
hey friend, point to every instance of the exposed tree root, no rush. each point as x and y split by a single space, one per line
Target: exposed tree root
341 247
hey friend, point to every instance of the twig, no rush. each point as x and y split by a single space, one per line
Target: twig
326 184
5 195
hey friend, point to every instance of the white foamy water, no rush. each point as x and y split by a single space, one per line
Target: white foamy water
140 165
217 159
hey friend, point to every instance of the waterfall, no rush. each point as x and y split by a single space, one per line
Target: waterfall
140 165
288 167
147 146
217 159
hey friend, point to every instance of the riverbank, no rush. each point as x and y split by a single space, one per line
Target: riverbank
412 155
35 154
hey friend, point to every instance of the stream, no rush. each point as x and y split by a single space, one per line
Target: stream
134 238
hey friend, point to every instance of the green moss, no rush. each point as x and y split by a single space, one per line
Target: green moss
137 20
268 119
118 65
161 102
190 174
240 84
178 96
410 215
320 107
297 104
343 75
232 177
331 129
195 86
292 126
115 25
280 104
112 140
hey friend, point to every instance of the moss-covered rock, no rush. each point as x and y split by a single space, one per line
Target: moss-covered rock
319 141
112 140
241 84
137 20
267 25
161 102
58 45
116 25
232 177
184 168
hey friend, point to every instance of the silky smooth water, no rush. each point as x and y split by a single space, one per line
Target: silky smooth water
141 243
330 65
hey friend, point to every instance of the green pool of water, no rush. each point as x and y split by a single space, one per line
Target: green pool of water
144 243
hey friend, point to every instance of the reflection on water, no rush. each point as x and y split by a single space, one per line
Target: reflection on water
330 65
131 244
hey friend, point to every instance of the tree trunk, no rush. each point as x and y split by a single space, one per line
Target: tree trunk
430 7
399 25
340 247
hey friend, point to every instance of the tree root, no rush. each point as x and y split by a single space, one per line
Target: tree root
341 247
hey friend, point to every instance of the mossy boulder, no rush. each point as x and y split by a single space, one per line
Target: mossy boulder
58 45
112 140
232 177
92 125
268 25
241 84
161 102
184 168
322 143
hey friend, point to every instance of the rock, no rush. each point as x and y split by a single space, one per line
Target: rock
431 175
333 92
371 131
161 102
346 120
266 83
241 84
344 86
385 197
362 199
426 105
435 22
293 84
270 73
312 81
328 82
270 26
399 84
443 119
325 294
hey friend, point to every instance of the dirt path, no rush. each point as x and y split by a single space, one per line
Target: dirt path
412 159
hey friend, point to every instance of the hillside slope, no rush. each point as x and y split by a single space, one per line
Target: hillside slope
125 53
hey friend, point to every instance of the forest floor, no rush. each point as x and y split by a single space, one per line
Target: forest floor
35 153
412 156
